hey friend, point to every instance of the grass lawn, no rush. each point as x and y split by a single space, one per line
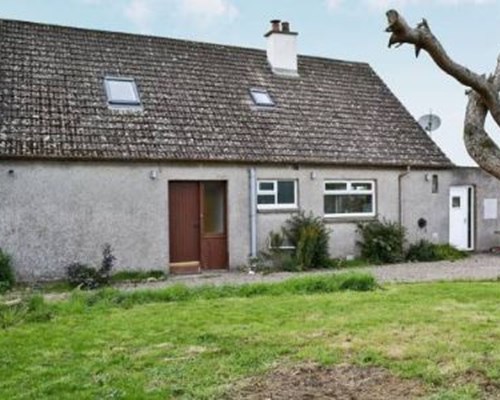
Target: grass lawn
447 335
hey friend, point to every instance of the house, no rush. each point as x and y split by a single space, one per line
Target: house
184 155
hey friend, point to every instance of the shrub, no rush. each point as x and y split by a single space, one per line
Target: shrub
108 259
309 235
276 258
382 242
448 252
422 251
7 279
87 277
81 275
427 251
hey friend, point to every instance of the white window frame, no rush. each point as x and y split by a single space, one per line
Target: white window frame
350 191
253 94
136 103
274 192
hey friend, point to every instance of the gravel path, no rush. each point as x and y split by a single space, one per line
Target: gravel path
475 267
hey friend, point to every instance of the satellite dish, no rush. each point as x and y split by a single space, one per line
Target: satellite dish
430 122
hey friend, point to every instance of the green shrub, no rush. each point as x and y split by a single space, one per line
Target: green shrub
276 257
7 278
427 251
422 251
382 242
309 235
448 252
82 276
87 277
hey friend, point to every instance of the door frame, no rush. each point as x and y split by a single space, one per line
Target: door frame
201 220
471 214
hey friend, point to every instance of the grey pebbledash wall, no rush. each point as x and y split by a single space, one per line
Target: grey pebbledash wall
56 213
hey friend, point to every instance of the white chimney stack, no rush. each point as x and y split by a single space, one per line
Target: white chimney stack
282 49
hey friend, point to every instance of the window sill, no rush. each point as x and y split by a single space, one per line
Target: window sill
349 220
277 210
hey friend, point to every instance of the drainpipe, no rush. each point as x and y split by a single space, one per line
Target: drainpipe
400 194
253 211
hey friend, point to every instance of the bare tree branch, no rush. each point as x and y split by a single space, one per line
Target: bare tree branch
482 98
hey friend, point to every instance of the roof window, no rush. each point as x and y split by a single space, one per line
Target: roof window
261 98
122 92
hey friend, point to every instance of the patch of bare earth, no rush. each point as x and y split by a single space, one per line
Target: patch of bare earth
312 381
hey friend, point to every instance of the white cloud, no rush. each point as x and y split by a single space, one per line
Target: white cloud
140 12
208 10
333 4
400 3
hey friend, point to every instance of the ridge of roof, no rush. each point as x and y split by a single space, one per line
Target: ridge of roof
171 39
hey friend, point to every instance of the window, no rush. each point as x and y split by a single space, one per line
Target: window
349 199
261 98
435 184
122 92
273 194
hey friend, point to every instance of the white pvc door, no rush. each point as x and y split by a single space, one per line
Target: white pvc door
462 217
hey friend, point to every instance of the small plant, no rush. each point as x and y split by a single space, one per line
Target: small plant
427 251
277 257
450 253
7 278
108 259
382 242
87 277
309 235
422 251
82 276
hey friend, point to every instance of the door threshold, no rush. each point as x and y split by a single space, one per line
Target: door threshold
185 268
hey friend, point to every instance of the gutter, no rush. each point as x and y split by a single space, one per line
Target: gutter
400 194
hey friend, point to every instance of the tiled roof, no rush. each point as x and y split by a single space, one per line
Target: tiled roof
196 104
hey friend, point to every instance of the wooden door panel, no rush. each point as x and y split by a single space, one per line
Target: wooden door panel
184 221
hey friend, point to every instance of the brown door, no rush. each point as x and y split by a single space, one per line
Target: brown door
184 222
213 234
197 224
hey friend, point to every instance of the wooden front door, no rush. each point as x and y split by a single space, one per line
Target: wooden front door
184 223
197 224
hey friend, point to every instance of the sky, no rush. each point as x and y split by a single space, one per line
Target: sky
338 29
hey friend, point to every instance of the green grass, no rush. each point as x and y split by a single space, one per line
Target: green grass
158 346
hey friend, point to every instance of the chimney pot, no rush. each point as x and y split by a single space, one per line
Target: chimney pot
285 26
275 25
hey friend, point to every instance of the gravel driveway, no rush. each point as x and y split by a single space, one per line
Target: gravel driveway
475 267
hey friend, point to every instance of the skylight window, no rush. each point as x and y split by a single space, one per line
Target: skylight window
261 98
122 92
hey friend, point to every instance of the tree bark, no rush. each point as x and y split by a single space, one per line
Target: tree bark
483 97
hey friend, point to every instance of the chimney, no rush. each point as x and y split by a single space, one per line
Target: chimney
282 49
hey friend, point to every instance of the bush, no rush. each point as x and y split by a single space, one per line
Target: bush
87 277
382 242
427 251
309 235
7 279
81 275
422 251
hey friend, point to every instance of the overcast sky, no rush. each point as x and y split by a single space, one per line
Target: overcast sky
341 29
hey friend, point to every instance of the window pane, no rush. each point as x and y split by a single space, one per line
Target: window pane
122 91
361 186
213 207
286 192
335 186
348 204
266 185
266 199
261 98
435 184
455 202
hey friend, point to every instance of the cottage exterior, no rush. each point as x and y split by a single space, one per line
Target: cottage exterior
183 154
